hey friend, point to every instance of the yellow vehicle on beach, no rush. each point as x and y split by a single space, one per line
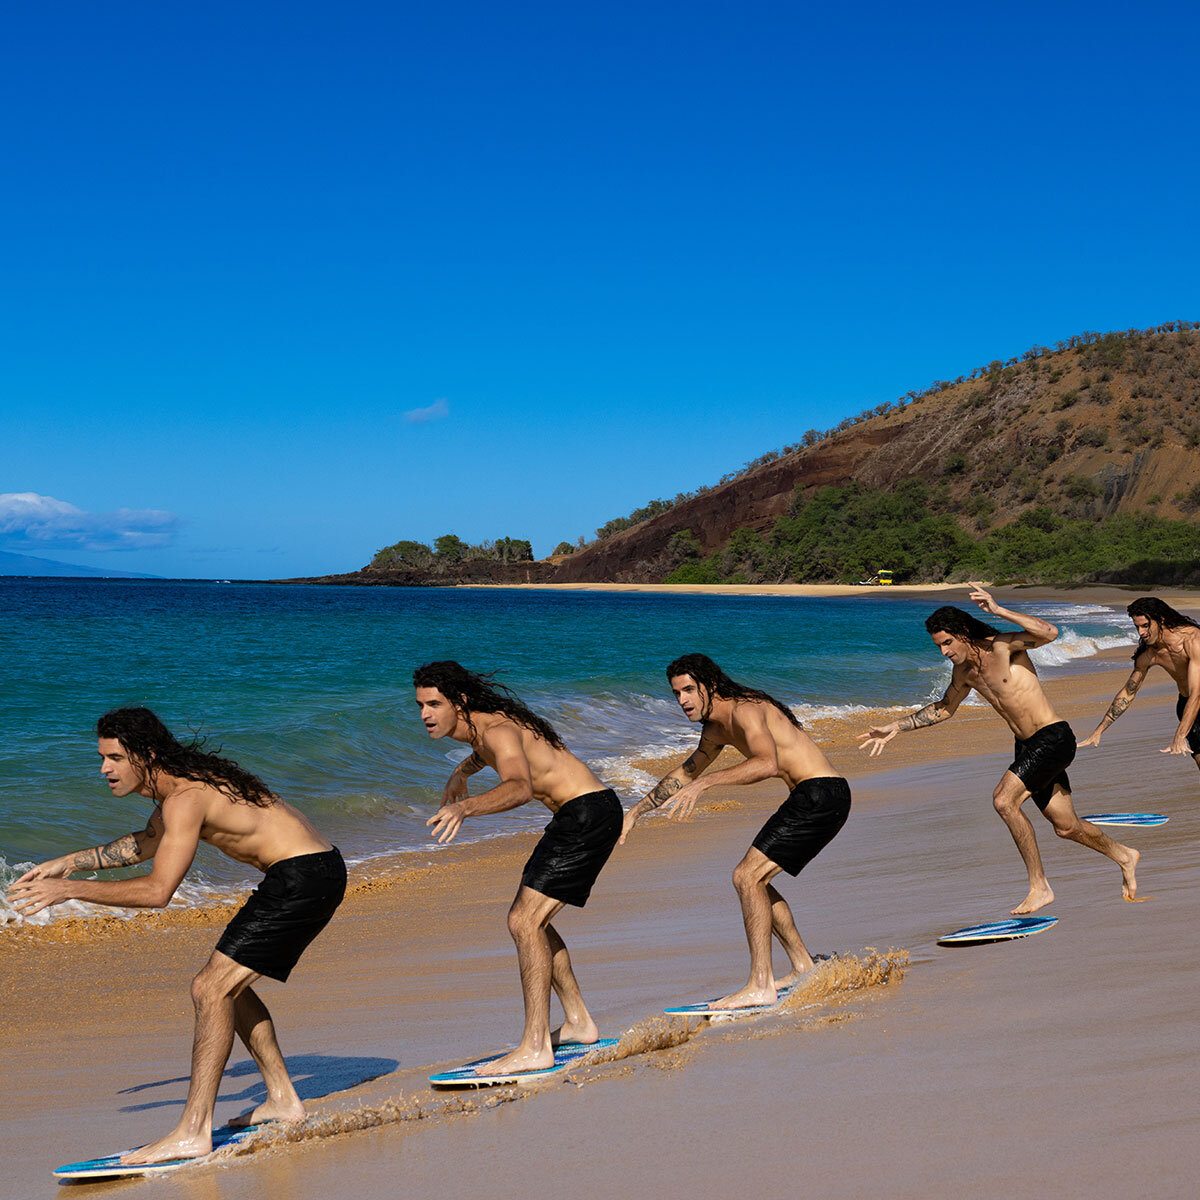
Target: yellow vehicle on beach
879 579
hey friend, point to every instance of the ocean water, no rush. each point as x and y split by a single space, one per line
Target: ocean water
310 687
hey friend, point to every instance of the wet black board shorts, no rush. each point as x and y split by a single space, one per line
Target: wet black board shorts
285 912
574 847
805 823
1194 732
1041 761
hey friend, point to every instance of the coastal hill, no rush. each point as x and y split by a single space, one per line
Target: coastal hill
1097 437
1098 426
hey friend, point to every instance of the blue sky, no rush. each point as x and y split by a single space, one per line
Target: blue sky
608 253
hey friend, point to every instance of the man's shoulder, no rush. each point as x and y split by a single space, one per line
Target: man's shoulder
189 795
1191 638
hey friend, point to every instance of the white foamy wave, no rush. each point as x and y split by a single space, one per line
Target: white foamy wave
1070 645
831 712
190 893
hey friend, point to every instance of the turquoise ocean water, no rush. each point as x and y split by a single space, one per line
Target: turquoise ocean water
310 687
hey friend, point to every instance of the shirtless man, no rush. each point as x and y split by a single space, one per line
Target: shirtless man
532 762
1169 640
768 736
998 667
201 797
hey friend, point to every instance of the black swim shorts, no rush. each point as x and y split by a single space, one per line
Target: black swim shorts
1193 737
1041 761
574 847
805 823
285 912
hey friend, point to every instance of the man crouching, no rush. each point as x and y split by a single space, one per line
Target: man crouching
198 797
532 762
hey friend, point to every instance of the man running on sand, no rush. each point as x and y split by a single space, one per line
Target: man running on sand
532 762
1169 640
201 797
774 746
998 667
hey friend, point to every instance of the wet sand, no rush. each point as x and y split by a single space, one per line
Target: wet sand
1062 1065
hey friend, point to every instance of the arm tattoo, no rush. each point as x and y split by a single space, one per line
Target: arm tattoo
87 860
1117 707
929 715
121 852
471 764
663 791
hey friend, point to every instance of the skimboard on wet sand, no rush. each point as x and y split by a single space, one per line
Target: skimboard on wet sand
469 1076
706 1009
997 931
111 1167
1130 820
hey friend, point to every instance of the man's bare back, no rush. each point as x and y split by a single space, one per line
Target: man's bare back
797 756
555 776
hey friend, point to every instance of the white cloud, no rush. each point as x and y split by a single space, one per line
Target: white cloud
30 521
435 412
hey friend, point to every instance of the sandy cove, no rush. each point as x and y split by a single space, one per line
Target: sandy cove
1060 1065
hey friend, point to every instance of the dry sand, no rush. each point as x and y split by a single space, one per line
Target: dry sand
1062 1065
1081 593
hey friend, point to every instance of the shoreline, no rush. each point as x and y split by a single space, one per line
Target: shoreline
420 974
836 735
1097 593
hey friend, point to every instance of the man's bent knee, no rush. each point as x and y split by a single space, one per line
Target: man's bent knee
221 978
1006 801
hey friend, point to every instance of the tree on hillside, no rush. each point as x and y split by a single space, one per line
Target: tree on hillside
404 554
450 548
514 550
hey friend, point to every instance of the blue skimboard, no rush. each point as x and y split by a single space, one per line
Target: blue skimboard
706 1008
1127 819
565 1056
111 1167
997 931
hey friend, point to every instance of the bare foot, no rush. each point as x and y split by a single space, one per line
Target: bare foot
796 974
1038 897
516 1062
1128 880
577 1033
748 997
271 1110
170 1147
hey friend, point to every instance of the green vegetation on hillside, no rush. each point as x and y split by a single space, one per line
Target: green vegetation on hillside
1159 381
842 534
450 549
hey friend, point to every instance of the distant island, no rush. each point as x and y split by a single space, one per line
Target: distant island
31 565
1073 463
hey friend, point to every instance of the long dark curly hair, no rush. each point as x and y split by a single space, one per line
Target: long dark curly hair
477 692
156 750
1158 610
716 683
954 621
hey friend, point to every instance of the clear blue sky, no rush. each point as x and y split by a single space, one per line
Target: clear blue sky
615 251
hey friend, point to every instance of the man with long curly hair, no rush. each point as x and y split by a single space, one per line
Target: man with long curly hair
533 764
768 736
200 796
997 665
1167 639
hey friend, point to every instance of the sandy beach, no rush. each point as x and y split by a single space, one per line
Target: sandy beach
1062 1065
1095 593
